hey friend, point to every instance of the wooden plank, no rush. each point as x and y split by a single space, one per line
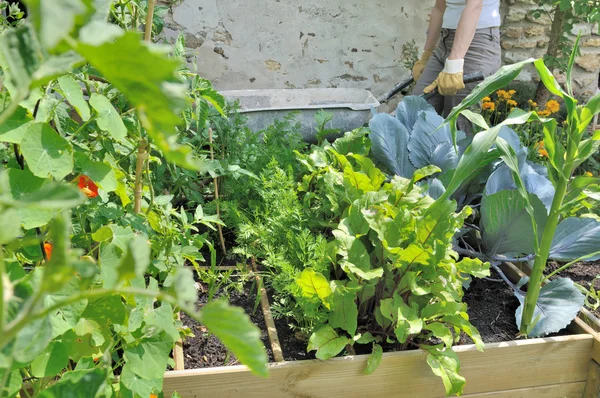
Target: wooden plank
269 323
508 365
178 351
592 387
567 390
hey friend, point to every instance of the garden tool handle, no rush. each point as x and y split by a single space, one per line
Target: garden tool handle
470 78
398 88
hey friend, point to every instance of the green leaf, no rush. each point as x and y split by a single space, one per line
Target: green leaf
149 358
77 384
74 94
183 287
52 361
10 219
466 326
59 270
100 173
157 93
355 224
235 329
108 118
46 152
374 359
445 364
354 141
359 262
440 331
327 342
14 382
53 20
344 312
425 172
409 323
140 386
498 80
32 340
473 266
136 259
375 175
15 127
313 283
435 225
442 308
575 238
20 56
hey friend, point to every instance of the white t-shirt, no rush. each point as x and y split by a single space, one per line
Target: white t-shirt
490 14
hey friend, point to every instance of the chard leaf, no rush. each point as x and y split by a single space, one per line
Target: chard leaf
354 141
374 359
442 308
440 331
344 312
575 238
460 322
445 364
390 140
313 283
327 342
408 323
409 109
507 225
558 304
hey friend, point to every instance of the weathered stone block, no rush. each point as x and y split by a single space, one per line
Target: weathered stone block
534 30
543 43
584 28
589 62
592 42
524 43
513 33
543 19
506 45
515 14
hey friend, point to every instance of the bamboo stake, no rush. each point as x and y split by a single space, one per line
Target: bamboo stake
216 183
142 156
149 19
178 351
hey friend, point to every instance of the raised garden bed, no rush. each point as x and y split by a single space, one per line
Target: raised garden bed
561 366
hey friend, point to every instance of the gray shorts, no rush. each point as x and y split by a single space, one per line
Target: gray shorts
484 55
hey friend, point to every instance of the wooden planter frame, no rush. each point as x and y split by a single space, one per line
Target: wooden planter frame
552 367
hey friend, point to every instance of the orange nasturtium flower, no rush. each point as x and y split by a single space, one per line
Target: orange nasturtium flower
48 250
542 149
88 187
488 106
153 396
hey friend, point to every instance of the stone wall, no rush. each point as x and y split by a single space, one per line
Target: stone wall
241 44
525 36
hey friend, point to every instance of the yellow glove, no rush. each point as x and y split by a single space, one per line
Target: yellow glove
450 80
419 66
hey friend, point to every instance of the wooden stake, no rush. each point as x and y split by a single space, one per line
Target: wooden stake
149 19
142 156
216 183
178 351
266 308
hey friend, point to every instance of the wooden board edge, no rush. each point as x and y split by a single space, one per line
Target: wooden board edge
592 384
565 390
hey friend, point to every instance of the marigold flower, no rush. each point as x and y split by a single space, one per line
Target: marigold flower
487 99
87 186
541 148
501 94
153 396
48 250
512 92
511 102
544 113
488 106
552 106
588 174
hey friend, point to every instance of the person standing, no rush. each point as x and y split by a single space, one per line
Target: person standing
463 38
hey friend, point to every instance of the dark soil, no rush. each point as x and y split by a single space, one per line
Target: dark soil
205 350
583 274
292 344
491 307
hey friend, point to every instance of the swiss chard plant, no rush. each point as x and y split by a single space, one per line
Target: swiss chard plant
395 278
91 279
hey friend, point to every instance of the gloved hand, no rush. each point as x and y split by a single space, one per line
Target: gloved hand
450 80
419 66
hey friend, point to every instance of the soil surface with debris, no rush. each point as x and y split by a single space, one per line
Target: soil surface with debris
583 274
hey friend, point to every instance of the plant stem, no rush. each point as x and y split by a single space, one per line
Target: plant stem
564 267
2 273
149 19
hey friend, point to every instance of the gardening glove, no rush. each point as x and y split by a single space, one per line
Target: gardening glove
450 80
419 66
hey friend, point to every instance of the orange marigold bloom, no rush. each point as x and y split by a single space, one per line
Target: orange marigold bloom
544 113
48 250
588 174
87 186
541 148
512 92
511 103
488 106
153 396
487 99
552 106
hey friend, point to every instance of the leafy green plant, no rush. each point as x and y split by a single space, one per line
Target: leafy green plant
395 278
553 235
84 296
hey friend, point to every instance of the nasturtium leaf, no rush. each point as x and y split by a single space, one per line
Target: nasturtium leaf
139 386
313 284
106 310
235 329
162 318
558 304
80 346
327 342
13 130
77 384
389 140
56 66
32 340
102 234
344 312
109 118
74 94
445 364
53 20
102 174
10 220
148 358
21 56
14 382
46 152
136 259
374 359
51 362
109 260
182 287
575 238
